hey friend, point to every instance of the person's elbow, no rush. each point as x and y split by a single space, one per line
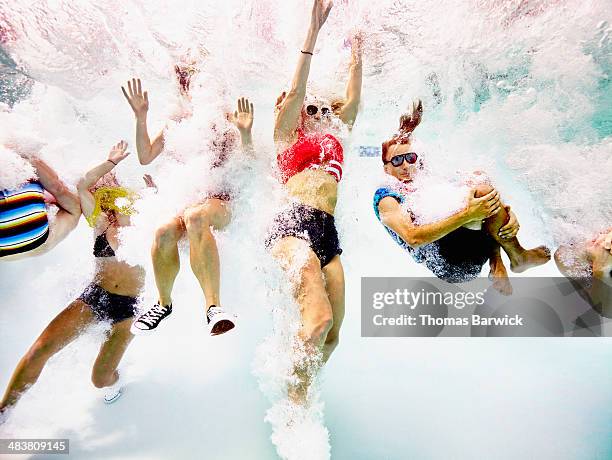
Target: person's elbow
145 160
82 184
413 239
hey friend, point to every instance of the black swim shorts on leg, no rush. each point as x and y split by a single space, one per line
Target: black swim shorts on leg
107 306
316 227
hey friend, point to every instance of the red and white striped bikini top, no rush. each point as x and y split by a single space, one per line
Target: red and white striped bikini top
312 151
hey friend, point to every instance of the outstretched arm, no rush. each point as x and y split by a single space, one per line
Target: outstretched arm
393 216
116 155
50 181
139 102
348 113
289 114
243 120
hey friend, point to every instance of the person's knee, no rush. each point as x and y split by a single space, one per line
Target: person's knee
166 236
318 325
333 339
482 189
197 221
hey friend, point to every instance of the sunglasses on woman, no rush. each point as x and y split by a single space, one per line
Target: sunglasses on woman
313 109
398 160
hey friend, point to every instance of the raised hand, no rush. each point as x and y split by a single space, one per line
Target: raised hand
139 101
320 12
243 116
118 152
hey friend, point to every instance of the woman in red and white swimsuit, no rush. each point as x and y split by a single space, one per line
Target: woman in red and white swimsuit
303 237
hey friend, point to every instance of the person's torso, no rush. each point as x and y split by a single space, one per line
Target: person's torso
311 168
113 275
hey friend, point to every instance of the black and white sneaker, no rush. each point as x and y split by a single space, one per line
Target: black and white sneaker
219 321
150 319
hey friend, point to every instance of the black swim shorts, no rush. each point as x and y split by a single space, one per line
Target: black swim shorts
107 306
316 227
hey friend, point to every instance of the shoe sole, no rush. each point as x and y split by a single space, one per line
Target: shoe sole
222 326
115 398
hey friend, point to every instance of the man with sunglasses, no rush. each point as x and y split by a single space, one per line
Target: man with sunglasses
450 248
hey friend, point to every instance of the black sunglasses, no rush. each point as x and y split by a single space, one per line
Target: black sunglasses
313 109
398 160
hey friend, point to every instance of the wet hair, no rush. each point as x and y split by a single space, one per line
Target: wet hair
407 124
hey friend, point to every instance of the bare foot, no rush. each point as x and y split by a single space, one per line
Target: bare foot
530 258
499 276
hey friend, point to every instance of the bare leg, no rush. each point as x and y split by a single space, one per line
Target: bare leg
520 258
104 372
203 252
498 273
304 269
165 256
64 328
334 285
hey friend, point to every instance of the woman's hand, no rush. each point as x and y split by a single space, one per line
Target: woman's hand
139 101
482 208
118 152
511 228
320 12
243 116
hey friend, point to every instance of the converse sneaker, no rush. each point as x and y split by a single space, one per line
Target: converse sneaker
219 321
150 319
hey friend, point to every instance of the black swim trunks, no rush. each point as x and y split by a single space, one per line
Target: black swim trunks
459 256
107 306
316 227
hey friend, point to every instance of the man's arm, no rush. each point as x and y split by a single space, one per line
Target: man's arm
393 216
139 102
397 219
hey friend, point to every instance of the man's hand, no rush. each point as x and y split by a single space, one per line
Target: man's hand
511 228
482 208
243 116
139 101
